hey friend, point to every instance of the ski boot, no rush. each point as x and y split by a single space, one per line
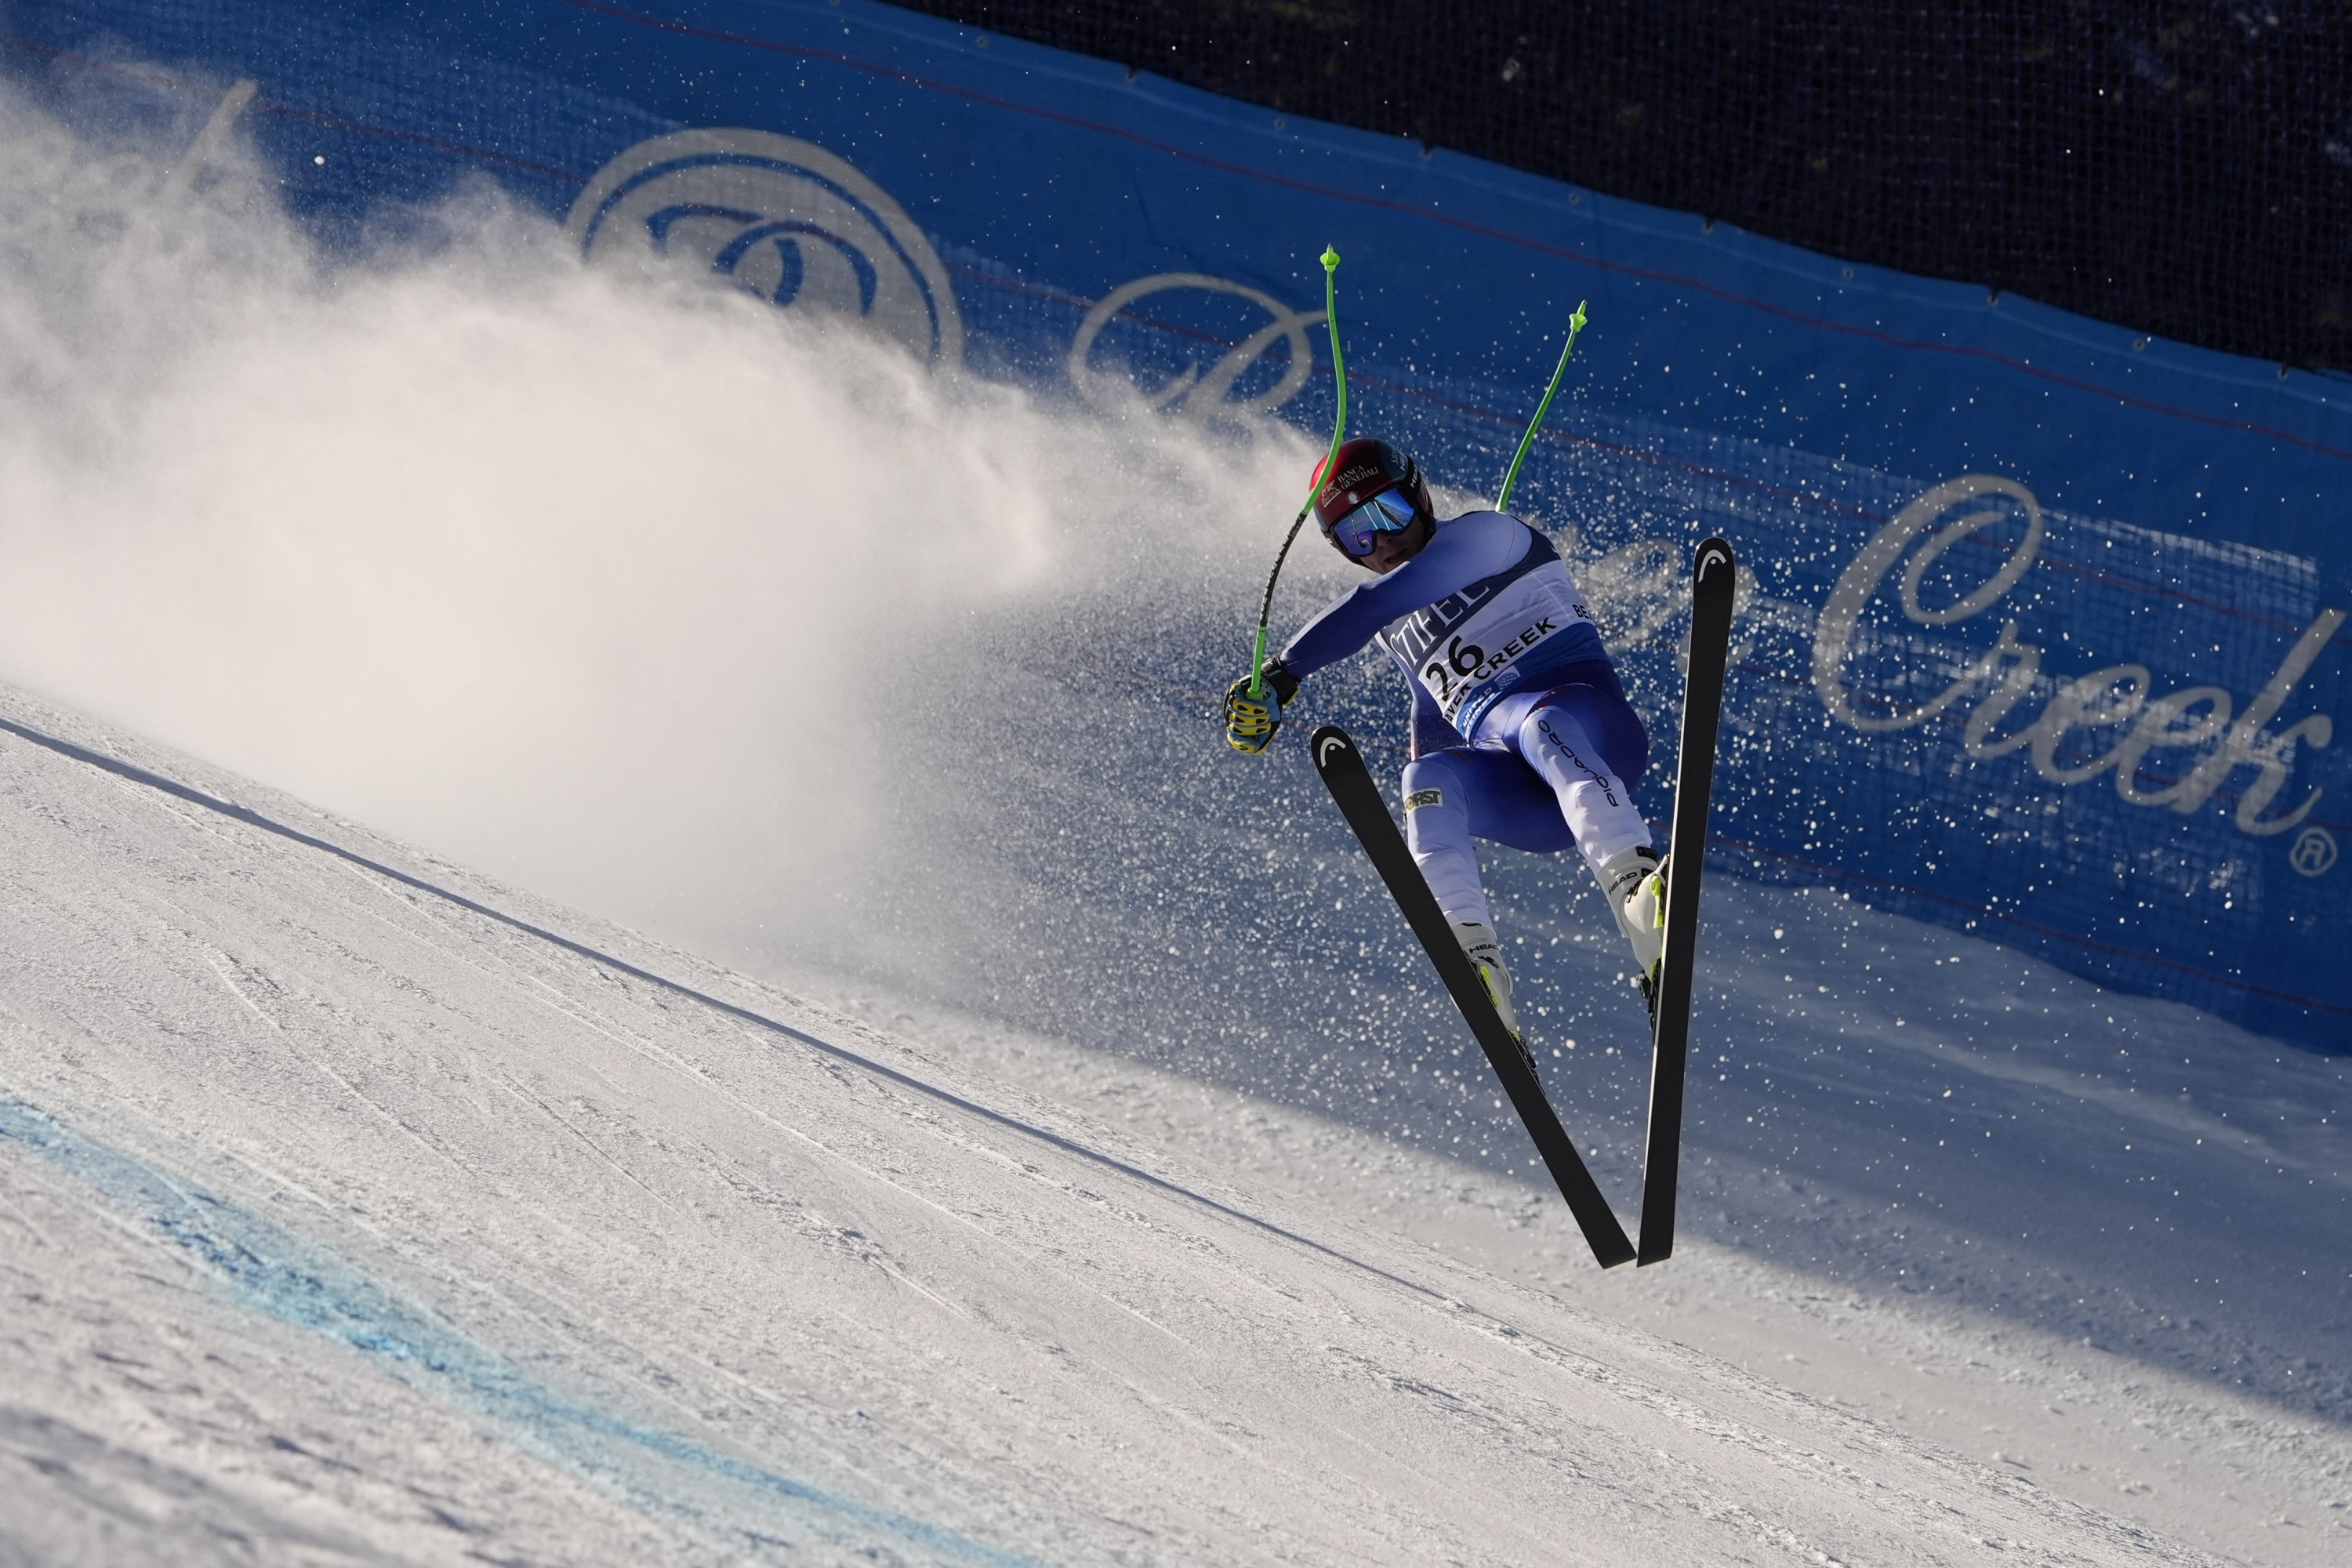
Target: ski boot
1478 941
1636 881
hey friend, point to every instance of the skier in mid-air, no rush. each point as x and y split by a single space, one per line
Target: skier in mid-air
1521 734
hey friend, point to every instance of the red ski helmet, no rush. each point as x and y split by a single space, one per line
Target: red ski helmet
1361 471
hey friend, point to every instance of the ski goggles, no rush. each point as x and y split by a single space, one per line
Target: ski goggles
1355 534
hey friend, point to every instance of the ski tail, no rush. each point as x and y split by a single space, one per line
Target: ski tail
1714 575
1350 783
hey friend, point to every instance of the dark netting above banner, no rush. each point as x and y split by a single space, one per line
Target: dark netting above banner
2180 167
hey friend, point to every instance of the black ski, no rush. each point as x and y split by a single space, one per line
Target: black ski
1712 575
1350 783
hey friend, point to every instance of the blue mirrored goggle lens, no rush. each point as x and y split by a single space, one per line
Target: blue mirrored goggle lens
1388 512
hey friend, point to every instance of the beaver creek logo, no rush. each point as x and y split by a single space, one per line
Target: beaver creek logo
1197 398
781 218
2163 748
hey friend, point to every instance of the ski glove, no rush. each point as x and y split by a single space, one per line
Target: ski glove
1250 721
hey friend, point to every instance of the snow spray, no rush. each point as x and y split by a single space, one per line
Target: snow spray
635 591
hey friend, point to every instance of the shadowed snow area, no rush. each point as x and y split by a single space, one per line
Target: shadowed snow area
1024 1131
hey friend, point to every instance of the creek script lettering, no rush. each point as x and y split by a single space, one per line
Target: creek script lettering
2193 719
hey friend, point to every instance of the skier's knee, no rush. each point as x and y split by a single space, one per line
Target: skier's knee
1435 783
1553 734
1436 802
1598 728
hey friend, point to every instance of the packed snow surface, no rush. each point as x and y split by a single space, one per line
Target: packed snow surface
360 1210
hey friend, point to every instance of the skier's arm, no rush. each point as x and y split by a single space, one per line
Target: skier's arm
1458 554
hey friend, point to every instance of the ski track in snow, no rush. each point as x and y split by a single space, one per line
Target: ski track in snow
345 1223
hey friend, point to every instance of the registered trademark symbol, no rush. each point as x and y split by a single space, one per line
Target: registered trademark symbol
2313 851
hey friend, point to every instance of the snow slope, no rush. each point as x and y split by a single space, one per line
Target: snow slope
350 1222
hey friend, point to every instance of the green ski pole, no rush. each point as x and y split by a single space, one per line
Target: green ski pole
1575 325
1338 430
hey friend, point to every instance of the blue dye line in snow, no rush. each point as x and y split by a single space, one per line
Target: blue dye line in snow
274 1273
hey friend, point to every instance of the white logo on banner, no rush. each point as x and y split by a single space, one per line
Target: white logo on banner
2117 698
787 221
2313 851
1204 397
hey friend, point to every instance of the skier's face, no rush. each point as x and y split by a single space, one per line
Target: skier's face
1391 551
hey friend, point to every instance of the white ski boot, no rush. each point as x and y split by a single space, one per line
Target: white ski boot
1636 882
1484 952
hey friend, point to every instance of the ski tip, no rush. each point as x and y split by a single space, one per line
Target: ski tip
1330 743
1715 554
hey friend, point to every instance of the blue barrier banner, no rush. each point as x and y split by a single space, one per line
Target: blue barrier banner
2042 630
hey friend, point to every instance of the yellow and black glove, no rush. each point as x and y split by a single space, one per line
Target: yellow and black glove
1251 721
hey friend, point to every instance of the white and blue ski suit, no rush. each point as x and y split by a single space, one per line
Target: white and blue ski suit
1521 734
